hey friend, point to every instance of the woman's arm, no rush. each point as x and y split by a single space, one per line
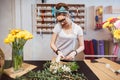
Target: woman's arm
81 44
78 50
55 49
52 43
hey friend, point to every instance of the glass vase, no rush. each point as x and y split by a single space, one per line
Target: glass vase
17 58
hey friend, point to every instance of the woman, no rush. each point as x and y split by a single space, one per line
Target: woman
66 34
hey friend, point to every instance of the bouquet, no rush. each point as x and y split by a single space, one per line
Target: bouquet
53 70
113 25
17 39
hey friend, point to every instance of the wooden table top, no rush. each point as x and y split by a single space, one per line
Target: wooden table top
101 71
84 69
93 71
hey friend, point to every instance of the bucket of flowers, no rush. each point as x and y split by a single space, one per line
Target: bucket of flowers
113 25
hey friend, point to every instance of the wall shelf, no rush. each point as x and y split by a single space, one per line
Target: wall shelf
45 21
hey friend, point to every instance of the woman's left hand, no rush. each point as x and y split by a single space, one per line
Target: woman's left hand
71 56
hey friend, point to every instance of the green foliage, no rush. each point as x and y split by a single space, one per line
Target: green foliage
46 74
47 64
73 66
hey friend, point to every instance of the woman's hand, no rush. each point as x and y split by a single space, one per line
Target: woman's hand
60 56
71 56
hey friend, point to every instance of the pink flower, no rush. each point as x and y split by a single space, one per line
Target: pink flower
117 24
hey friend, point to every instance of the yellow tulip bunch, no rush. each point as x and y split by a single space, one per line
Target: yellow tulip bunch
17 35
17 39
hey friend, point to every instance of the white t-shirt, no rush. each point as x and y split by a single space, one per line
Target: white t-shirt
67 42
76 30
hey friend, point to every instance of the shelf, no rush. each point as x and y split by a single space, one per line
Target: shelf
45 20
45 32
112 10
100 56
75 16
44 27
39 21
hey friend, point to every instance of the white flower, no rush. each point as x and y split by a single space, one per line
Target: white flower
58 59
65 68
55 71
117 24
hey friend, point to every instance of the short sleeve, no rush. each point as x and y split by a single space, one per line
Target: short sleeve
57 28
78 30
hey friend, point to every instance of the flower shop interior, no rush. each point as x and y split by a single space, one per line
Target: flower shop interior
101 49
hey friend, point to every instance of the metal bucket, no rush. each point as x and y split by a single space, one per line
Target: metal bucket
2 59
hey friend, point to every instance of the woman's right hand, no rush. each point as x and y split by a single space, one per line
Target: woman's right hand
59 56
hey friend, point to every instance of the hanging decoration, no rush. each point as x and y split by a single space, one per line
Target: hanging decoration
38 13
43 16
98 17
53 11
77 11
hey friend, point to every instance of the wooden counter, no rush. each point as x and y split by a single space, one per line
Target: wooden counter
93 71
101 71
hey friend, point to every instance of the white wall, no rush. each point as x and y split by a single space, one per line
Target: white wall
19 14
7 22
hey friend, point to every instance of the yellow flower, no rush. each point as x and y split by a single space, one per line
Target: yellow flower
111 25
6 41
14 31
105 25
9 39
109 19
18 36
28 35
116 34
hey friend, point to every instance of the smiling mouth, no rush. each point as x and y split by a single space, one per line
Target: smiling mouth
61 21
64 23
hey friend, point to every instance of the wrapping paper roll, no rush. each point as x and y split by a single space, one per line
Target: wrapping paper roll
106 47
101 47
89 48
95 46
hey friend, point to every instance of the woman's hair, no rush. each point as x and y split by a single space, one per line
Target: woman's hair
61 8
59 5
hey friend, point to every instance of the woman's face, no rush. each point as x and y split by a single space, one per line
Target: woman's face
63 19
